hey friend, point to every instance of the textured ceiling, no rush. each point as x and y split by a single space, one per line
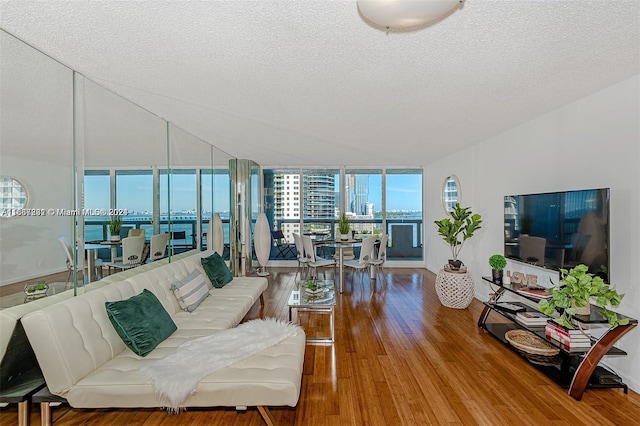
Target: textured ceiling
310 83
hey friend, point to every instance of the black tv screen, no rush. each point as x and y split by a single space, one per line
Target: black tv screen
559 229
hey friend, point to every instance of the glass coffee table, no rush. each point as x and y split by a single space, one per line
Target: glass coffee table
321 299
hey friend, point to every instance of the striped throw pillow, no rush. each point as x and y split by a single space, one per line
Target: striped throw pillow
190 291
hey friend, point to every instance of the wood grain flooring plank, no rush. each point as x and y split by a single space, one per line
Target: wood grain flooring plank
400 358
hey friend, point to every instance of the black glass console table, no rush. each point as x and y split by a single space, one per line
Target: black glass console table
575 366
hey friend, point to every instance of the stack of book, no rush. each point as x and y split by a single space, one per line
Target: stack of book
532 319
535 292
570 338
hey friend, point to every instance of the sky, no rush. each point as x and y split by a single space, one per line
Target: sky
134 192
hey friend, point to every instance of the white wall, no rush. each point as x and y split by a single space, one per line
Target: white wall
36 146
591 143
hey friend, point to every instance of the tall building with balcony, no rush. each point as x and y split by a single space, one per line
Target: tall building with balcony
287 203
358 193
314 198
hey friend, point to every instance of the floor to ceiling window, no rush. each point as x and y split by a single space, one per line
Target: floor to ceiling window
182 215
320 201
283 200
363 200
310 201
97 201
134 194
403 213
214 185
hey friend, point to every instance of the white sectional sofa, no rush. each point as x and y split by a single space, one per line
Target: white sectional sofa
85 361
20 376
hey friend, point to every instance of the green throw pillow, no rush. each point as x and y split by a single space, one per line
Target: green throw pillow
141 321
216 270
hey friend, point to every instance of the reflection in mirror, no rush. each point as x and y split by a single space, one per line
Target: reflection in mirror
451 193
222 194
124 147
13 196
215 198
189 157
36 134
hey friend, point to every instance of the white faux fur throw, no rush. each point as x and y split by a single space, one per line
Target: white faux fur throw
176 376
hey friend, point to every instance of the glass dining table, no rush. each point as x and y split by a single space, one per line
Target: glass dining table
91 250
339 246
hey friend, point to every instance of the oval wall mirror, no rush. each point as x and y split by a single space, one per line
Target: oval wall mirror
13 196
451 193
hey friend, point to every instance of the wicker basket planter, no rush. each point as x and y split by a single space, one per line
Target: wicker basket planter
455 290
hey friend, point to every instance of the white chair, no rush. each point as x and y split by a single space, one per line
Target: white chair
136 232
362 263
382 256
69 262
158 246
303 262
314 261
132 248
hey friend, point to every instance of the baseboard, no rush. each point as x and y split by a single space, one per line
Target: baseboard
31 276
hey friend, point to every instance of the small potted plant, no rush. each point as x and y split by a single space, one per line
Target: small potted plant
576 288
115 224
344 226
455 232
312 288
36 290
497 263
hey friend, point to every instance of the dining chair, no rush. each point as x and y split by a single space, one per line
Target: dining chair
284 247
158 246
362 263
378 261
69 262
132 248
314 261
303 262
178 239
133 232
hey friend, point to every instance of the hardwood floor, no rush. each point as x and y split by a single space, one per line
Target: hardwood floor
400 358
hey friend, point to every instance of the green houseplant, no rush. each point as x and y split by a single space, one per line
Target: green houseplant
36 290
115 224
458 229
313 288
344 225
497 263
575 289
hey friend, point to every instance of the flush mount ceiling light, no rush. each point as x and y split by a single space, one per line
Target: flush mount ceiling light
403 14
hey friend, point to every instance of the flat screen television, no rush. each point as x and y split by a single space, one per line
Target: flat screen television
559 229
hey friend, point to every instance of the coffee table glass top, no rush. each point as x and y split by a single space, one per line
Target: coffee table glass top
322 293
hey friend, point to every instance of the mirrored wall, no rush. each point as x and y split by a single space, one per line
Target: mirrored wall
36 149
83 155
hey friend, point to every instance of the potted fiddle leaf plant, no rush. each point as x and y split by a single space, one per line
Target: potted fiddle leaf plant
344 226
115 224
457 229
497 263
574 292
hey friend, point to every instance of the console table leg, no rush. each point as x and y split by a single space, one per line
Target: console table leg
485 312
593 357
